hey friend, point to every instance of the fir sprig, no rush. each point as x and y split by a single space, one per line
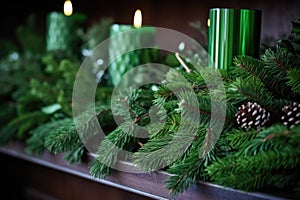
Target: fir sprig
36 140
26 122
70 137
271 70
274 148
109 150
294 80
131 109
190 168
63 138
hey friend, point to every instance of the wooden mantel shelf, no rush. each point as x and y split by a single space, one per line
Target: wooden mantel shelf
144 185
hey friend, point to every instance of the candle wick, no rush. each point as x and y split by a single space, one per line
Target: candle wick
182 63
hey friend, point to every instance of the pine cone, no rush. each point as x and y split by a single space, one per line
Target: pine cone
291 116
252 115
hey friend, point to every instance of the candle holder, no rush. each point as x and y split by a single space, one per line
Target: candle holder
233 32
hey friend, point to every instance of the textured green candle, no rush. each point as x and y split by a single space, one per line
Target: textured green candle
123 42
233 32
62 31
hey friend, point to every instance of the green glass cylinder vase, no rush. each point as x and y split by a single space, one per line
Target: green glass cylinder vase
233 32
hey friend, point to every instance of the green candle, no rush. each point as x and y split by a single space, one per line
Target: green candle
233 32
130 39
62 31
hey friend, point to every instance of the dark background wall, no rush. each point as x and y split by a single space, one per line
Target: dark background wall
174 14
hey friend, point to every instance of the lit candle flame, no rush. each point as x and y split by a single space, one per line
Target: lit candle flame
137 22
208 22
68 9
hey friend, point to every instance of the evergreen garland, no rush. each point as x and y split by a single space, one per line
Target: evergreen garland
124 136
273 151
66 139
249 160
246 159
36 140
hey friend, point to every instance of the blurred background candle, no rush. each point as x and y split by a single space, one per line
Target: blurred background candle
233 32
120 42
63 29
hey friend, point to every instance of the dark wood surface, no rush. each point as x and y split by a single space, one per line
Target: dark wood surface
51 177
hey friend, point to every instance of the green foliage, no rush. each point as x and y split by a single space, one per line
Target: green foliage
17 67
173 127
109 151
132 112
190 168
31 40
23 124
293 76
16 71
57 84
65 139
64 136
271 70
229 160
269 157
272 152
37 136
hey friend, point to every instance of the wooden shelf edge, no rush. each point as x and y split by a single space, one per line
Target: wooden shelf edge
146 184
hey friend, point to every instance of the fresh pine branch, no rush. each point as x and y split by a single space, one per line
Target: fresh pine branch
36 139
75 155
249 66
26 122
211 111
132 108
153 154
263 165
249 89
190 168
89 122
131 104
165 106
171 125
294 79
278 63
252 89
271 70
98 169
237 137
67 137
109 151
63 138
274 148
